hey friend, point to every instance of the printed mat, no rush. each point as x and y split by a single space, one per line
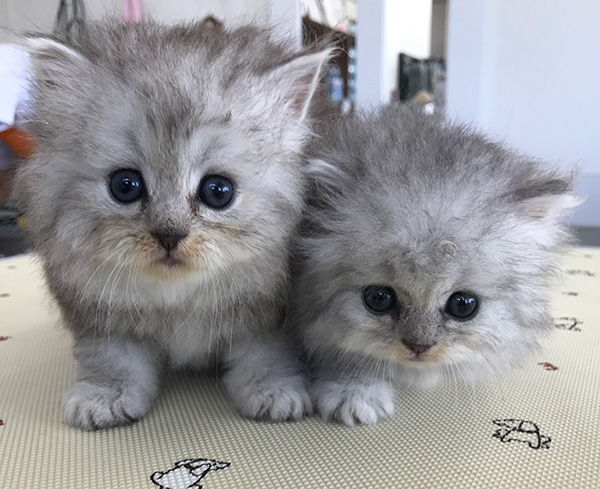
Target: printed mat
537 428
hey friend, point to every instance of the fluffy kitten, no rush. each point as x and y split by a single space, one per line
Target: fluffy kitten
426 253
161 199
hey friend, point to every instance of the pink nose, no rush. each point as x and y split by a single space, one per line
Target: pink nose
418 349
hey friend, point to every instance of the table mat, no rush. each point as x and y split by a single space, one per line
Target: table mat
537 427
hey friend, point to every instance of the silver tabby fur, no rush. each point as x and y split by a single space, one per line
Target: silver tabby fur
428 208
175 103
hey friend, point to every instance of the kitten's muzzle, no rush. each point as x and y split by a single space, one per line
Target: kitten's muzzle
168 239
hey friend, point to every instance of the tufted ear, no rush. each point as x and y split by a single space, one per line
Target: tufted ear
53 63
326 174
297 80
550 206
547 195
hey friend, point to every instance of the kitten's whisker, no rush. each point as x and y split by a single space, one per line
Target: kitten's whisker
211 320
129 299
469 381
365 362
222 276
449 374
83 289
455 377
122 268
99 300
493 370
137 293
351 363
459 380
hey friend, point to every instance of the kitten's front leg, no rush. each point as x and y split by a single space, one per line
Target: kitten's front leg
266 380
343 392
117 382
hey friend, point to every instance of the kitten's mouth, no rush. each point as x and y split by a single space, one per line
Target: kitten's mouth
169 258
402 355
169 268
418 357
418 360
170 261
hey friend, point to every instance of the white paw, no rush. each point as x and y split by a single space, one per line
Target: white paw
353 404
278 400
90 406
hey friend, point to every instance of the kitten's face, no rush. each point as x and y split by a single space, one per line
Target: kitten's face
206 202
427 299
170 207
167 151
426 256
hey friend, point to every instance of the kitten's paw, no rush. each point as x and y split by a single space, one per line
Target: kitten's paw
353 404
278 400
90 406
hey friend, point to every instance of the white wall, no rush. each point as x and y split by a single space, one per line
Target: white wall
286 16
439 25
527 72
370 52
407 30
385 28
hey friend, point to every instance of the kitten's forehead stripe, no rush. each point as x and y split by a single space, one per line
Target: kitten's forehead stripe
151 119
134 143
172 120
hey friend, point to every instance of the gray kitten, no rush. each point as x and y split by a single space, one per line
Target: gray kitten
426 253
161 199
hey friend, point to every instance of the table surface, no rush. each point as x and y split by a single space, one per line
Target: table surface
450 436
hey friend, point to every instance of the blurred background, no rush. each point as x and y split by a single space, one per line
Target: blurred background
524 71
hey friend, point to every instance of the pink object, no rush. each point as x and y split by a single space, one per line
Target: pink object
132 11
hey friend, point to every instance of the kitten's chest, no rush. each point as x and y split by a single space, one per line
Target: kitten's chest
194 343
195 335
191 322
190 334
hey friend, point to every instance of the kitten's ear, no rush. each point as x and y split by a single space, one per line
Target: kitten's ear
53 64
548 197
298 79
550 206
327 179
326 174
210 22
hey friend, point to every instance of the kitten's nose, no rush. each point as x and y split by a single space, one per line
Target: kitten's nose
168 239
418 349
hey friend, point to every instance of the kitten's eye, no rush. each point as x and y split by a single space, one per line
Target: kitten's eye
379 299
216 191
462 305
126 186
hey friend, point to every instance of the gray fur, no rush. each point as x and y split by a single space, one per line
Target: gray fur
427 207
175 103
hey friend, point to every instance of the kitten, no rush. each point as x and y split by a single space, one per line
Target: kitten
426 253
161 199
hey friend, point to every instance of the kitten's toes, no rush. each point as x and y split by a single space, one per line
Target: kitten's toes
91 406
278 400
353 404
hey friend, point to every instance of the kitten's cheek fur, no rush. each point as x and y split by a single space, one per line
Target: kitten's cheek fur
266 381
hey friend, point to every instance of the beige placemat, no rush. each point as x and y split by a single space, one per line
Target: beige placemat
449 437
